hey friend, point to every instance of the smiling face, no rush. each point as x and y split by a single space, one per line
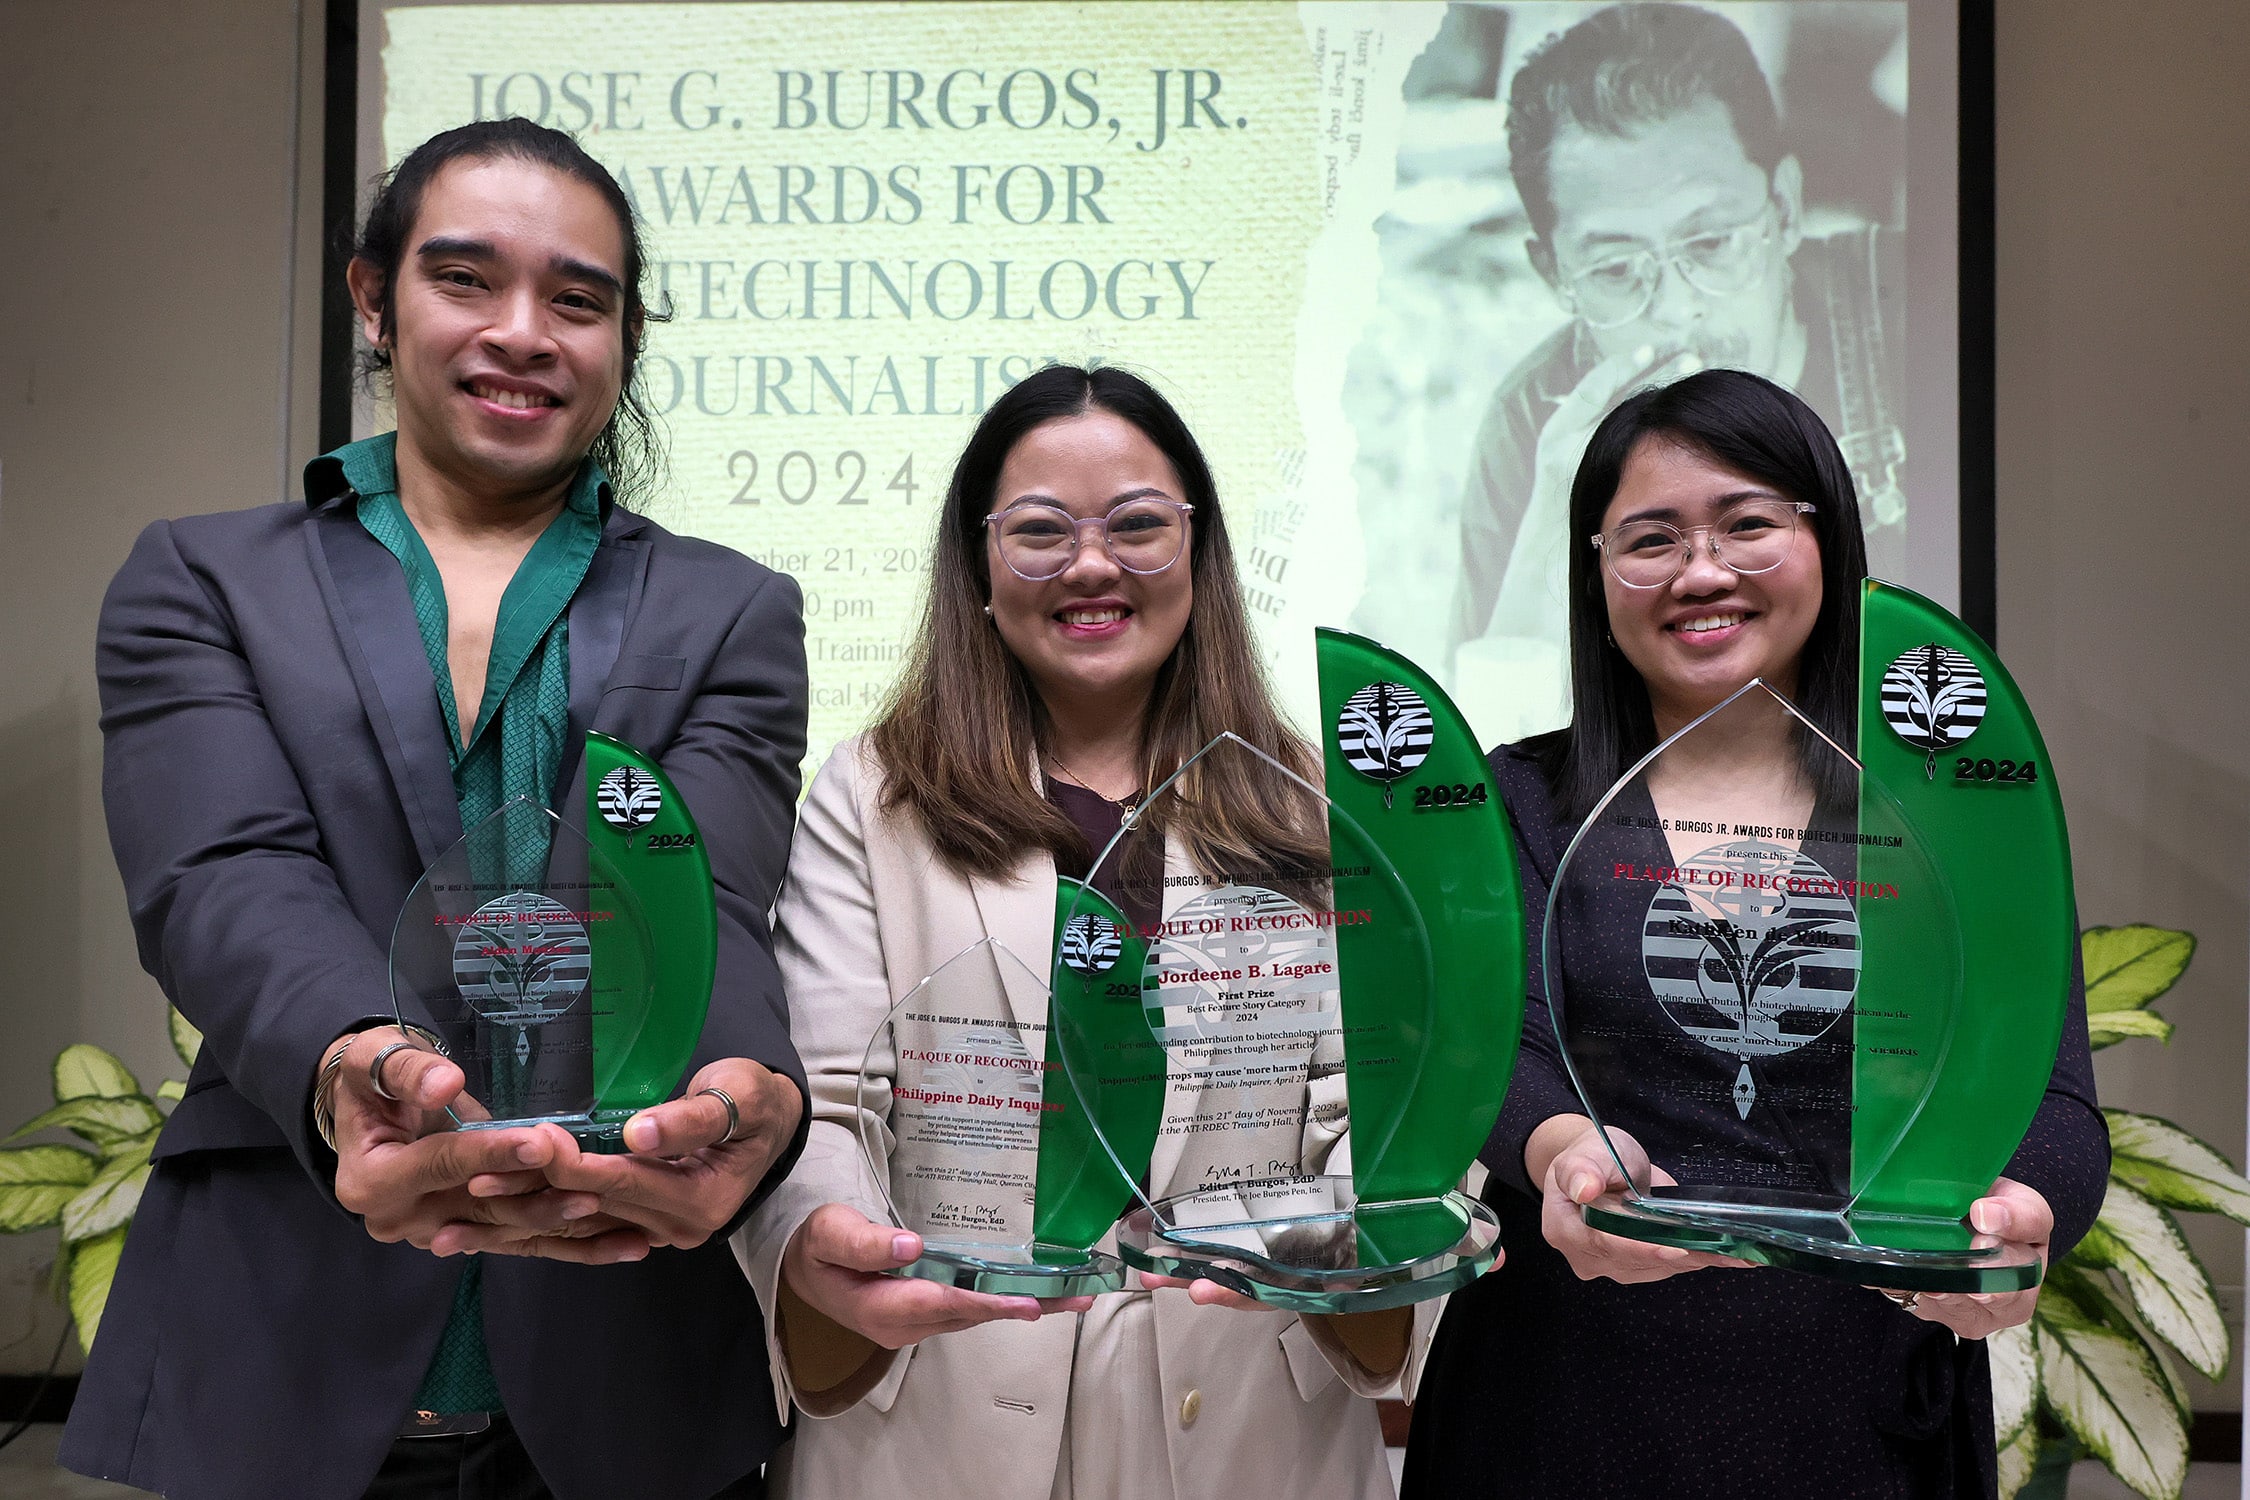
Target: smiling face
1683 183
506 336
1094 634
1710 630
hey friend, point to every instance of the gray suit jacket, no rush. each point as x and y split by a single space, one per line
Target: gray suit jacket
276 776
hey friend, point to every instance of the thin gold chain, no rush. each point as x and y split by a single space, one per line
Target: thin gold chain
1125 804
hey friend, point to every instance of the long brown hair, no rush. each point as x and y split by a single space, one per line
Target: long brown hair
960 733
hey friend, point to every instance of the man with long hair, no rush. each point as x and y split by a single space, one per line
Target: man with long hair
327 1293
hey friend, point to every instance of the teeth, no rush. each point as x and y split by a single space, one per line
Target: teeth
1710 622
521 400
1090 616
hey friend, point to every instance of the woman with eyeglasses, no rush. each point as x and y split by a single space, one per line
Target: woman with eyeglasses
1716 539
1084 636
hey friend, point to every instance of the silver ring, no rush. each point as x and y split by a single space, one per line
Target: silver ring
1907 1301
734 1116
375 1068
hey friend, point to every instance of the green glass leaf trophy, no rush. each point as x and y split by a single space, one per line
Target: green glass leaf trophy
1331 1001
975 1139
567 973
1824 990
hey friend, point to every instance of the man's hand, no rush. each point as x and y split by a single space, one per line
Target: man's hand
1583 1170
684 1179
835 1262
406 1172
2012 1215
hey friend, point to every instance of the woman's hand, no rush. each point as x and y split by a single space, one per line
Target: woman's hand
2012 1215
836 1261
1581 1169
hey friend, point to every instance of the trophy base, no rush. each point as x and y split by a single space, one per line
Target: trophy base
1895 1253
600 1133
1358 1259
1033 1271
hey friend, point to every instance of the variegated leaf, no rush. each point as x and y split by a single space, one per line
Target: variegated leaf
2127 967
2019 1457
2098 1294
2169 1285
2173 1168
171 1090
37 1181
109 1200
2107 1028
2107 1390
85 1071
105 1122
93 1266
186 1040
2015 1381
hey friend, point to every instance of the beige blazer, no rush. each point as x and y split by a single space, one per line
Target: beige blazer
1250 1402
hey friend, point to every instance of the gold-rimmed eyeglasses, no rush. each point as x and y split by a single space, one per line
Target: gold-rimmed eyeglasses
1143 535
1749 536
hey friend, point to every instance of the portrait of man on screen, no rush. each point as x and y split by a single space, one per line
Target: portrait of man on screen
1664 213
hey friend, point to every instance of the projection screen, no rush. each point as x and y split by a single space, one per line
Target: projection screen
1299 220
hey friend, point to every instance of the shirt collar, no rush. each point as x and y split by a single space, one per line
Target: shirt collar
370 467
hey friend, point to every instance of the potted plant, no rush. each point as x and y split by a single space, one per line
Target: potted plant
2093 1372
89 1191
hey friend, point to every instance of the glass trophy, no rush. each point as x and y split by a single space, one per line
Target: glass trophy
976 1140
1824 990
566 972
1330 987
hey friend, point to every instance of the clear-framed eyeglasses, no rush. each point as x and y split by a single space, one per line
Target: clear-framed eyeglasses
1144 535
1750 536
1619 288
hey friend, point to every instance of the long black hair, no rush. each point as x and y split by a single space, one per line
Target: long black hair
630 447
1750 425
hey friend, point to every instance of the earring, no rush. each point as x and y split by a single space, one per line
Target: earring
988 611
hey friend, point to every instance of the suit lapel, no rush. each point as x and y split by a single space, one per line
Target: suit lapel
365 591
599 614
1019 915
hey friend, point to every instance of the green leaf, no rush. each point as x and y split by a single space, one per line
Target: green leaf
85 1071
2127 967
2107 1390
2015 1382
2098 1294
35 1183
171 1090
93 1266
2019 1456
108 1201
186 1040
2173 1168
2169 1285
2114 1026
105 1122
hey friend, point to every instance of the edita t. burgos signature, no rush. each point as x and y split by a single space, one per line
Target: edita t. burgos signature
946 1214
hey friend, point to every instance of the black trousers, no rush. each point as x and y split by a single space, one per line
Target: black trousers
488 1465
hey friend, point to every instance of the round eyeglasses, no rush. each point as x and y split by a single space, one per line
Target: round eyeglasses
1143 535
1617 289
1750 536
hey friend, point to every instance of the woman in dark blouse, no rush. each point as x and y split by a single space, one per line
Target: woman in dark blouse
1593 1365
